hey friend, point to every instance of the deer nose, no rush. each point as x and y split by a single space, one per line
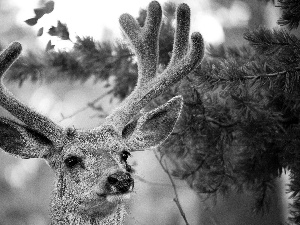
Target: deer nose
119 182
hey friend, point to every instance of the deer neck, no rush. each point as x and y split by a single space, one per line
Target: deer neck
62 215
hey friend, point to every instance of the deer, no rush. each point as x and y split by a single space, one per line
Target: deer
93 179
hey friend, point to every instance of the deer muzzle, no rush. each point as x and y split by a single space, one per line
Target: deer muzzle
119 183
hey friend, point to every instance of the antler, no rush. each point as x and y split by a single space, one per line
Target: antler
145 43
32 119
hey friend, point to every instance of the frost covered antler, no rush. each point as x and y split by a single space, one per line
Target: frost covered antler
145 43
17 108
93 177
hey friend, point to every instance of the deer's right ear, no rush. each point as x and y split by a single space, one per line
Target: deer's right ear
151 129
22 141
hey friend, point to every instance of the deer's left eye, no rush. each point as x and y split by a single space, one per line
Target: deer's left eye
73 161
124 155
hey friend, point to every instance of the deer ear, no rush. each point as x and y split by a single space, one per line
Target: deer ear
22 141
151 129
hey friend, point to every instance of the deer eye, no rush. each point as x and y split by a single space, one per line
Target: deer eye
73 161
124 155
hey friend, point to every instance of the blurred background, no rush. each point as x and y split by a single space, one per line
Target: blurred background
25 185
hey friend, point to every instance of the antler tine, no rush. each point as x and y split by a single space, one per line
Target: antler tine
145 43
22 112
181 39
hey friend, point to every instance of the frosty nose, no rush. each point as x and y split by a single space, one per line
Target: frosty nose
119 182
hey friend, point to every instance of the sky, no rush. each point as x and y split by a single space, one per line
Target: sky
96 17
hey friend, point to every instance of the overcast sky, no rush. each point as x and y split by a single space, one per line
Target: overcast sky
95 17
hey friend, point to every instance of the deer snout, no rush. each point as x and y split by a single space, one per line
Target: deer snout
119 182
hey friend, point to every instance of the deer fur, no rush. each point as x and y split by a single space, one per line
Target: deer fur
93 177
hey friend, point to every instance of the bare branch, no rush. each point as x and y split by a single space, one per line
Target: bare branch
176 199
88 106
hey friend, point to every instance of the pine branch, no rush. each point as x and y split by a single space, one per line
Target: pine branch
273 1
270 75
290 13
87 59
273 42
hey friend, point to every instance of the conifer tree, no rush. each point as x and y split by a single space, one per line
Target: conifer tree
240 126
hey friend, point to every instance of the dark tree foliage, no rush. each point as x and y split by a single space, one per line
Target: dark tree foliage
239 129
87 59
290 12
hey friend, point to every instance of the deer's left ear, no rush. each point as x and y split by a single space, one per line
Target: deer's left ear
151 129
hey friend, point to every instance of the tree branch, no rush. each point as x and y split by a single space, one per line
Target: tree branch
88 105
176 199
273 74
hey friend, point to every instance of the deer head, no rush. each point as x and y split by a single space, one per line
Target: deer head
93 177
